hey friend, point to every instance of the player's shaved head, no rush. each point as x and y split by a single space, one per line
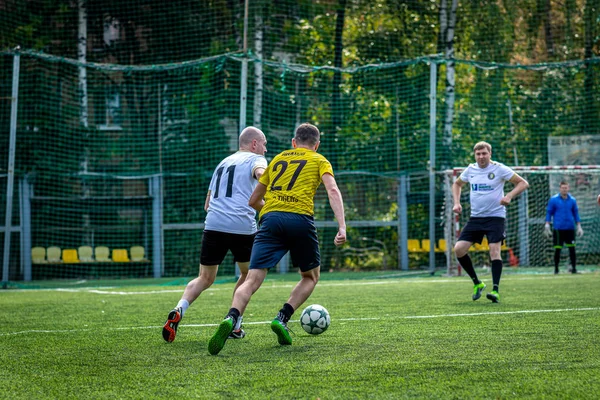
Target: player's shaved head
307 134
248 135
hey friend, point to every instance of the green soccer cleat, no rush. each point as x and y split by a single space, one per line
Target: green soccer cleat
281 330
494 296
217 342
477 289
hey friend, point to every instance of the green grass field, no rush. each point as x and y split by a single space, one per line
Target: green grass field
419 337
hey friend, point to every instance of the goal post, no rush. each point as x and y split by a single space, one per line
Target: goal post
525 245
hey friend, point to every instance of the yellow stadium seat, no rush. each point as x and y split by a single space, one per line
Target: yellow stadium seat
137 253
414 246
53 254
38 255
101 253
85 254
425 244
442 245
70 256
120 255
484 246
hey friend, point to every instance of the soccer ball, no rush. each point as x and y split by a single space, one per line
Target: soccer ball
315 319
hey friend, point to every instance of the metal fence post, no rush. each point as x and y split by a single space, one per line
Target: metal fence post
11 169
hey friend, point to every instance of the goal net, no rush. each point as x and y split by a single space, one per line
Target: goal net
526 244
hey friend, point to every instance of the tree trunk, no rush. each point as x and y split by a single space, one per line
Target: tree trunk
336 106
258 69
547 18
450 83
591 109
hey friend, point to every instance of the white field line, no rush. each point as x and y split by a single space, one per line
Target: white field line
336 320
461 280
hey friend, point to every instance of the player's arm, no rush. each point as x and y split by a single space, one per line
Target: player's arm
520 186
549 213
337 205
577 219
258 172
257 199
207 201
456 191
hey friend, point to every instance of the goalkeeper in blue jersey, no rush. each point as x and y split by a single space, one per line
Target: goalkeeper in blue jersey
562 211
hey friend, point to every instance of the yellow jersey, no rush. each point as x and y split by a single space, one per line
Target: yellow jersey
292 179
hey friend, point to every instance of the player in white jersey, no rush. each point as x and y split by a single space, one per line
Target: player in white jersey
230 223
488 212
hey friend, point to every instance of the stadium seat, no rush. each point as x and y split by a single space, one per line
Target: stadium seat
53 254
70 256
137 253
101 253
484 246
120 255
85 254
38 255
414 245
442 245
425 244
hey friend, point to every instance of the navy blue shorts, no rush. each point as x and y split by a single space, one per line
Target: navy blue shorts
491 227
281 232
216 244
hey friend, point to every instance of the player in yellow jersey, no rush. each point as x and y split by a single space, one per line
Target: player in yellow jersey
284 196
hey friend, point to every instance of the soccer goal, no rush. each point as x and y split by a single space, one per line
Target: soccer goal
525 243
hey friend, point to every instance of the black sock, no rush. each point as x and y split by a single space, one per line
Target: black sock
496 273
285 313
573 258
467 265
556 259
233 313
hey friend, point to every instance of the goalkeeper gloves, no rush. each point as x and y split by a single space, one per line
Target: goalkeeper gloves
547 231
579 231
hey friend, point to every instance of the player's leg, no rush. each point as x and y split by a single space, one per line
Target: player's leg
213 251
569 237
469 235
556 242
305 254
495 256
241 247
241 298
461 249
192 291
267 250
496 235
238 332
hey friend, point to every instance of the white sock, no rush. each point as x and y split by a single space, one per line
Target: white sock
183 304
238 324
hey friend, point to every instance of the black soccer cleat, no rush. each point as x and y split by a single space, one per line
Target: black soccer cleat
239 334
170 328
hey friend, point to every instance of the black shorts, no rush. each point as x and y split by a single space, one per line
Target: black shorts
566 237
281 232
491 227
216 244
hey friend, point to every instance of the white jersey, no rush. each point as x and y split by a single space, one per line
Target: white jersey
230 188
487 188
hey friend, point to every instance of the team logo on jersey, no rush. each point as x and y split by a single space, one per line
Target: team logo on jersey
481 187
491 176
